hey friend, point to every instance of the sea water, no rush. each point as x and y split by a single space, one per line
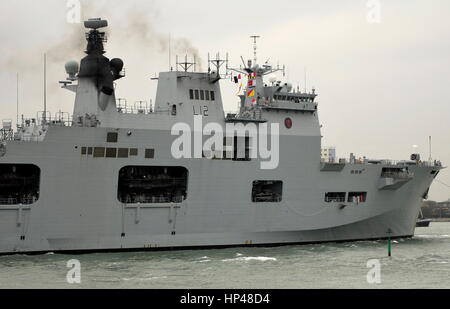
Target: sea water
420 262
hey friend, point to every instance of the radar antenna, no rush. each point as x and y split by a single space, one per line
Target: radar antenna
255 48
185 66
252 68
218 63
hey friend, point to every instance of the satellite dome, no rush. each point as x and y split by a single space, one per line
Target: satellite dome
288 87
272 79
116 64
72 68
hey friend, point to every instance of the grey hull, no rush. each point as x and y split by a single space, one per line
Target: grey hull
78 208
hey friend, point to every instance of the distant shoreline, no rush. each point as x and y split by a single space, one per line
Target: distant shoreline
441 220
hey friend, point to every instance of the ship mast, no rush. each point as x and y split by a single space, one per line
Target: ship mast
255 48
44 119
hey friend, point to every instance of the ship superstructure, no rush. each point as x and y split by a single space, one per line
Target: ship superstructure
109 176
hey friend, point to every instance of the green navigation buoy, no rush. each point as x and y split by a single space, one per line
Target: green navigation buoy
389 243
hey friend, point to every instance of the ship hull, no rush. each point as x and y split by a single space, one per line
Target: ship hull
79 211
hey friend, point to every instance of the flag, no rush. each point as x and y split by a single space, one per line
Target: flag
251 93
239 76
250 83
240 88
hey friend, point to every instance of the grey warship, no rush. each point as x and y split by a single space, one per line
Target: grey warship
106 178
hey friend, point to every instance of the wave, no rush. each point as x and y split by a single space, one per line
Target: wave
251 258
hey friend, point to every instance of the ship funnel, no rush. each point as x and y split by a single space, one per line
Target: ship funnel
72 69
95 23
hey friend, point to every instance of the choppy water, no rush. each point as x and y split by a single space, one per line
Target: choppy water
422 262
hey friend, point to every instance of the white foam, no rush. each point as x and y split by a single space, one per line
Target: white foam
251 258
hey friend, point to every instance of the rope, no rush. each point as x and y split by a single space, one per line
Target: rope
442 183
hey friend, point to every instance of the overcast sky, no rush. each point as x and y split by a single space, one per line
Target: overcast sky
383 87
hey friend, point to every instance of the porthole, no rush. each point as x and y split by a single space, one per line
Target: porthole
288 123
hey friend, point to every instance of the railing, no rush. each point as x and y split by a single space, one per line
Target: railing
292 105
398 175
388 162
139 108
15 201
335 200
6 135
153 200
59 119
249 114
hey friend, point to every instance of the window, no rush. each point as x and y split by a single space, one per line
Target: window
19 184
267 191
174 110
191 94
357 197
152 184
83 150
213 96
202 95
111 152
90 151
197 94
112 137
99 152
149 153
122 153
207 95
133 152
335 197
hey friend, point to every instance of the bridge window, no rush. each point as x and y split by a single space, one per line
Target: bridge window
152 184
191 94
202 95
335 197
122 153
111 152
197 94
213 96
357 197
207 95
133 152
99 152
267 191
19 184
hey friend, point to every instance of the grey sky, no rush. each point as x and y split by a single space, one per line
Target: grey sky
382 87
